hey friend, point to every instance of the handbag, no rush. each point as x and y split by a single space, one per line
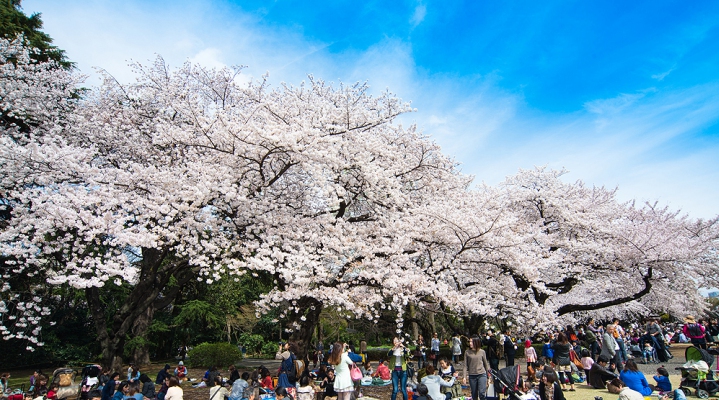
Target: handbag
355 373
432 356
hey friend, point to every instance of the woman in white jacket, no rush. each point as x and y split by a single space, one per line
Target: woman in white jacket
341 362
435 382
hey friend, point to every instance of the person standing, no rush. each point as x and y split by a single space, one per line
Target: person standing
476 369
619 338
341 362
363 349
434 348
562 359
420 353
492 350
529 353
655 331
286 352
592 335
456 348
510 348
695 332
609 347
398 362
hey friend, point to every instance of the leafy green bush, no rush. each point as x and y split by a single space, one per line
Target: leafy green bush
218 354
253 343
269 349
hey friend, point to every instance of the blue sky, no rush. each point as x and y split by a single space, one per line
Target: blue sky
619 93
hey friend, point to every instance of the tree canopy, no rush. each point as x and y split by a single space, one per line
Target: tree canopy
189 175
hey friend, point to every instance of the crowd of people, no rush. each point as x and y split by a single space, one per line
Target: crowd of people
603 356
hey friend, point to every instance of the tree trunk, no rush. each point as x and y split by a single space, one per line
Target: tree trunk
156 269
413 316
312 309
432 323
141 353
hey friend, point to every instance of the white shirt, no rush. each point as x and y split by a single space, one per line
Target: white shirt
174 393
398 353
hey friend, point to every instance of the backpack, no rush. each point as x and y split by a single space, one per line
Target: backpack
694 330
548 351
299 367
289 368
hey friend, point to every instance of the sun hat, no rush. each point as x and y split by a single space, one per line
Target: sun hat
690 319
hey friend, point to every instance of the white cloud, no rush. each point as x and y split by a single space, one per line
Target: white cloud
660 76
418 16
628 140
210 58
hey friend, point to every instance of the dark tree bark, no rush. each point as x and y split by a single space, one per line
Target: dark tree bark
141 353
569 308
312 308
157 267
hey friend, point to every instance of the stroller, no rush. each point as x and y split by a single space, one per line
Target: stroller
697 373
90 379
65 379
510 380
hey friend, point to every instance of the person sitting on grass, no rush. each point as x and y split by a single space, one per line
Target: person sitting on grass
239 387
121 391
382 371
217 391
328 384
599 374
634 379
549 388
434 383
181 372
305 391
281 393
662 379
625 393
423 391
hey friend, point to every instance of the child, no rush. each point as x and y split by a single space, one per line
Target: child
531 355
662 379
181 371
648 353
587 362
305 391
547 350
52 393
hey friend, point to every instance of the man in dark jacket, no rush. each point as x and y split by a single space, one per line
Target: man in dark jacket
510 348
492 350
164 373
599 374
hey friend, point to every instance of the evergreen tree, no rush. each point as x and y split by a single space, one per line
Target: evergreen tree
14 22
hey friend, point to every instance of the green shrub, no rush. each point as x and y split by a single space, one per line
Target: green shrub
269 349
221 355
253 343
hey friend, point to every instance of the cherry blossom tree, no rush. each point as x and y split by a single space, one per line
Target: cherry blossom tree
535 249
189 174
